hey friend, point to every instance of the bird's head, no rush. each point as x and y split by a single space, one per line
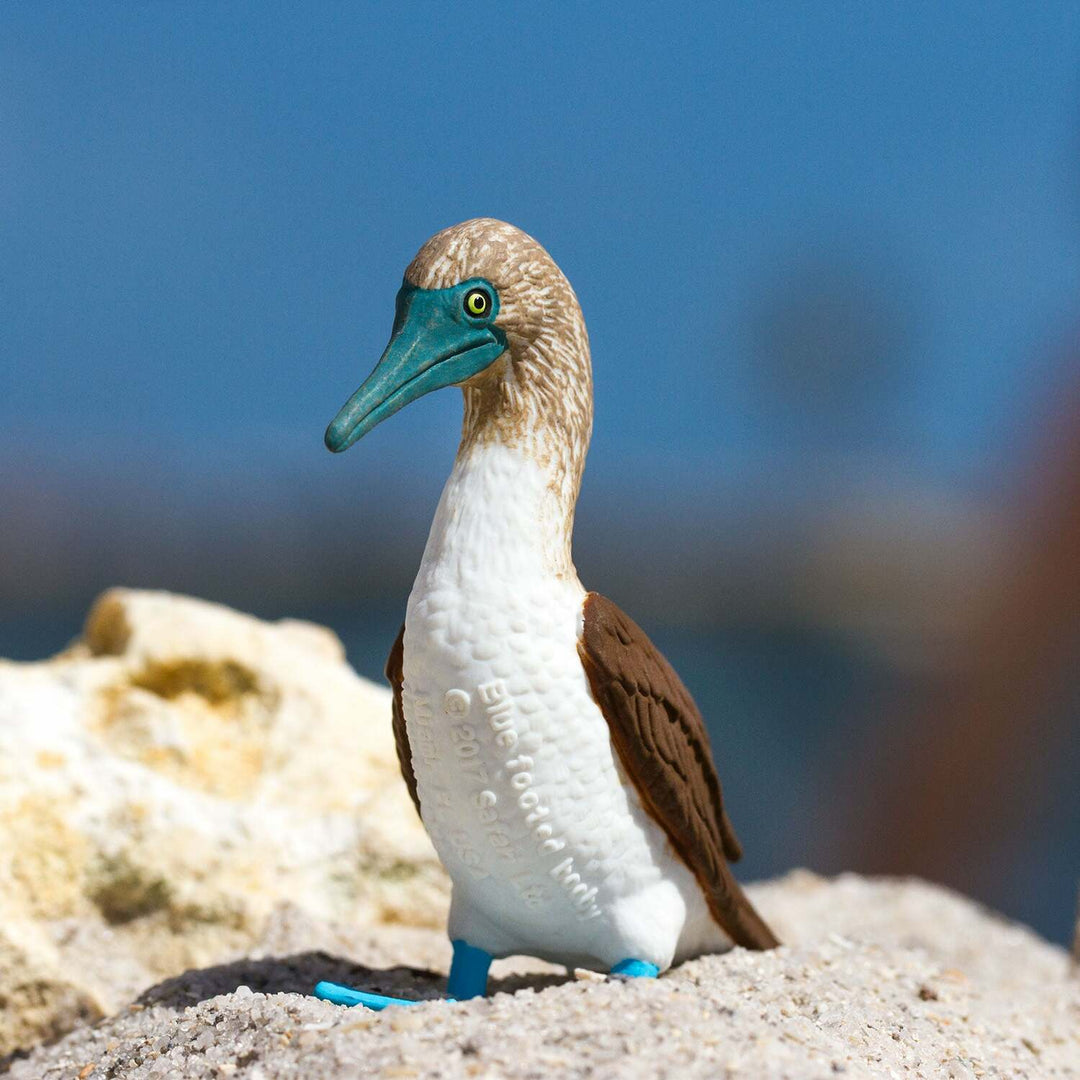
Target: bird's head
482 306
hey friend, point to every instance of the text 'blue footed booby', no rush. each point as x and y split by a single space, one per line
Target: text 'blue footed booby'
557 761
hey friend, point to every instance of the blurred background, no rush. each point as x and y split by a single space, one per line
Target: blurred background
829 262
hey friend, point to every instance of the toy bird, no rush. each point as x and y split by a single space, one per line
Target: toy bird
558 763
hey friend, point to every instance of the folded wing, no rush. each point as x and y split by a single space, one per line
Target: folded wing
661 741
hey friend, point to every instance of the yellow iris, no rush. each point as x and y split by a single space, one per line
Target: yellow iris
476 303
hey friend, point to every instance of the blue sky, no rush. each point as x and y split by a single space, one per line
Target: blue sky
206 210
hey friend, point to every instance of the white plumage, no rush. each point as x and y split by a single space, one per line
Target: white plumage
549 849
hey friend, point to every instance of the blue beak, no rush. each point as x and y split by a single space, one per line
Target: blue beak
434 344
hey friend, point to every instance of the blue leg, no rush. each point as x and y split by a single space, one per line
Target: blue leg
468 979
635 969
468 972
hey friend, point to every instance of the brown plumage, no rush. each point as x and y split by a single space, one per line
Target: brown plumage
395 675
662 744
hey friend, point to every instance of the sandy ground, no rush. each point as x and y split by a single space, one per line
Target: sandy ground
880 978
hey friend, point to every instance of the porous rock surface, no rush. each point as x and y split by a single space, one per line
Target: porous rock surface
171 780
879 978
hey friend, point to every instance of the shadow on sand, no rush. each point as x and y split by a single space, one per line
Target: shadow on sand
298 974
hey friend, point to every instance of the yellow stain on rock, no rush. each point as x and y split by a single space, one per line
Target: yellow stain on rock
46 856
203 724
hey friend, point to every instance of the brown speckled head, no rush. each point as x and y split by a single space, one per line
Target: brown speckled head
540 395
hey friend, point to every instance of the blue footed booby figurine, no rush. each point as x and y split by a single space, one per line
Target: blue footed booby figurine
555 758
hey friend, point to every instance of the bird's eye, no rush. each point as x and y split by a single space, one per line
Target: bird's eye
477 303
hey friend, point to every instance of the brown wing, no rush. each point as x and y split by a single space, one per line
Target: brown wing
395 674
660 738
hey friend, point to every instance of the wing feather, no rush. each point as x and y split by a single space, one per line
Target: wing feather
662 744
395 674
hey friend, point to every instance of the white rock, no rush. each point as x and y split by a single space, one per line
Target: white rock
168 781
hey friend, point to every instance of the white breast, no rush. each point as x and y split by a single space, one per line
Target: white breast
549 851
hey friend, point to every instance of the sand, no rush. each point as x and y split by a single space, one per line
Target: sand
880 978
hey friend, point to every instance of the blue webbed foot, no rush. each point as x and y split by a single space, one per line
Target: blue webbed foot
468 979
635 969
345 995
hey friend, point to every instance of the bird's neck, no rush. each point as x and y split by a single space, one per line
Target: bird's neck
507 510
